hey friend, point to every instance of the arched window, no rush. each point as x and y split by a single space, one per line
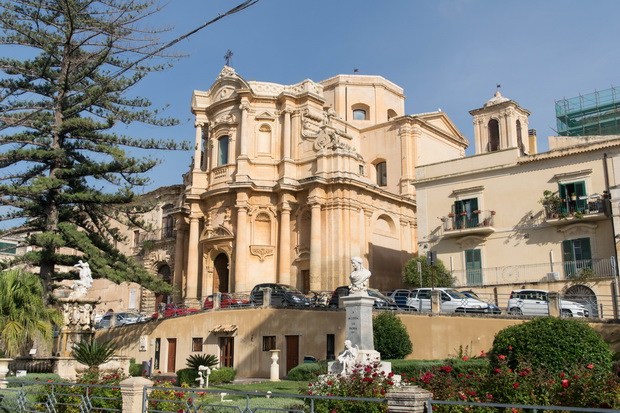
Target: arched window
391 114
381 169
359 114
222 143
361 111
493 135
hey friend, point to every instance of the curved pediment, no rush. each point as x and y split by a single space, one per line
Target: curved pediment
218 232
225 87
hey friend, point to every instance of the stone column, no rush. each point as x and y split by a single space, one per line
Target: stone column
198 146
179 259
132 391
315 247
409 399
191 289
435 301
217 300
554 304
205 148
286 139
241 247
284 246
243 132
243 166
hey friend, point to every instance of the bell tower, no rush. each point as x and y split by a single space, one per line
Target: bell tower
502 124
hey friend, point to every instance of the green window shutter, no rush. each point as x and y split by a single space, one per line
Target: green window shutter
564 197
473 267
586 251
567 251
580 190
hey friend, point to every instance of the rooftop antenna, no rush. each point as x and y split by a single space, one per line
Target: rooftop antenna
228 56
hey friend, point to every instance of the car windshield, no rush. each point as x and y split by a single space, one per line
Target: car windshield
289 289
456 294
376 293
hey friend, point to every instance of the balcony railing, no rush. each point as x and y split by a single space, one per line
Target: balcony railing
577 207
569 270
468 220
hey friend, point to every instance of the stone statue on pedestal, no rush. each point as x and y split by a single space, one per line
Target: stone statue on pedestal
359 276
347 358
81 286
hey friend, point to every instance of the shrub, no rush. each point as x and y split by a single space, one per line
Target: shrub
196 360
135 369
307 371
417 368
70 396
222 375
92 354
365 381
168 399
586 387
391 337
551 343
187 377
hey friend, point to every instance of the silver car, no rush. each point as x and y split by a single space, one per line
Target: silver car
536 302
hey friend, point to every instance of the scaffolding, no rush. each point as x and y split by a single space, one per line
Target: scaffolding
596 113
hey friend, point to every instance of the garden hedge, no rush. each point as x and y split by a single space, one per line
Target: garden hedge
555 344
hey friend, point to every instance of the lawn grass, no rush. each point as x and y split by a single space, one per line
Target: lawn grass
284 386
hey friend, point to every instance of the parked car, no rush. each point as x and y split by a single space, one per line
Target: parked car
536 302
121 319
494 309
281 294
173 310
226 300
400 296
452 301
381 301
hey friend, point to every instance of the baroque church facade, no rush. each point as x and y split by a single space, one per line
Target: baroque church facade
289 182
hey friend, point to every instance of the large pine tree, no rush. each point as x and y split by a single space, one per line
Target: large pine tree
66 174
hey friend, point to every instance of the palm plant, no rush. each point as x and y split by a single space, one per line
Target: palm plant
93 354
24 314
197 360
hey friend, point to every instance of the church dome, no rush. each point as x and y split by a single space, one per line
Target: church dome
496 100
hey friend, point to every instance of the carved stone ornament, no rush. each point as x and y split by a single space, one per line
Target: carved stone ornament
227 72
228 119
471 241
262 251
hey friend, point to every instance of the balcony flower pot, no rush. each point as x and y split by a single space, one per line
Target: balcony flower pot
477 211
492 212
463 214
451 215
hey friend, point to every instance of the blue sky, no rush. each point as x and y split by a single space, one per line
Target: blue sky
447 54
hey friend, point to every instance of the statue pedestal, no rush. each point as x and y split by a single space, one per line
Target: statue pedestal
78 323
359 332
359 321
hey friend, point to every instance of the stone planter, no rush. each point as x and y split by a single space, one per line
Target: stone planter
4 369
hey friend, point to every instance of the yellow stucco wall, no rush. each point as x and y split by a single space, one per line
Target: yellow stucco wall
433 336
